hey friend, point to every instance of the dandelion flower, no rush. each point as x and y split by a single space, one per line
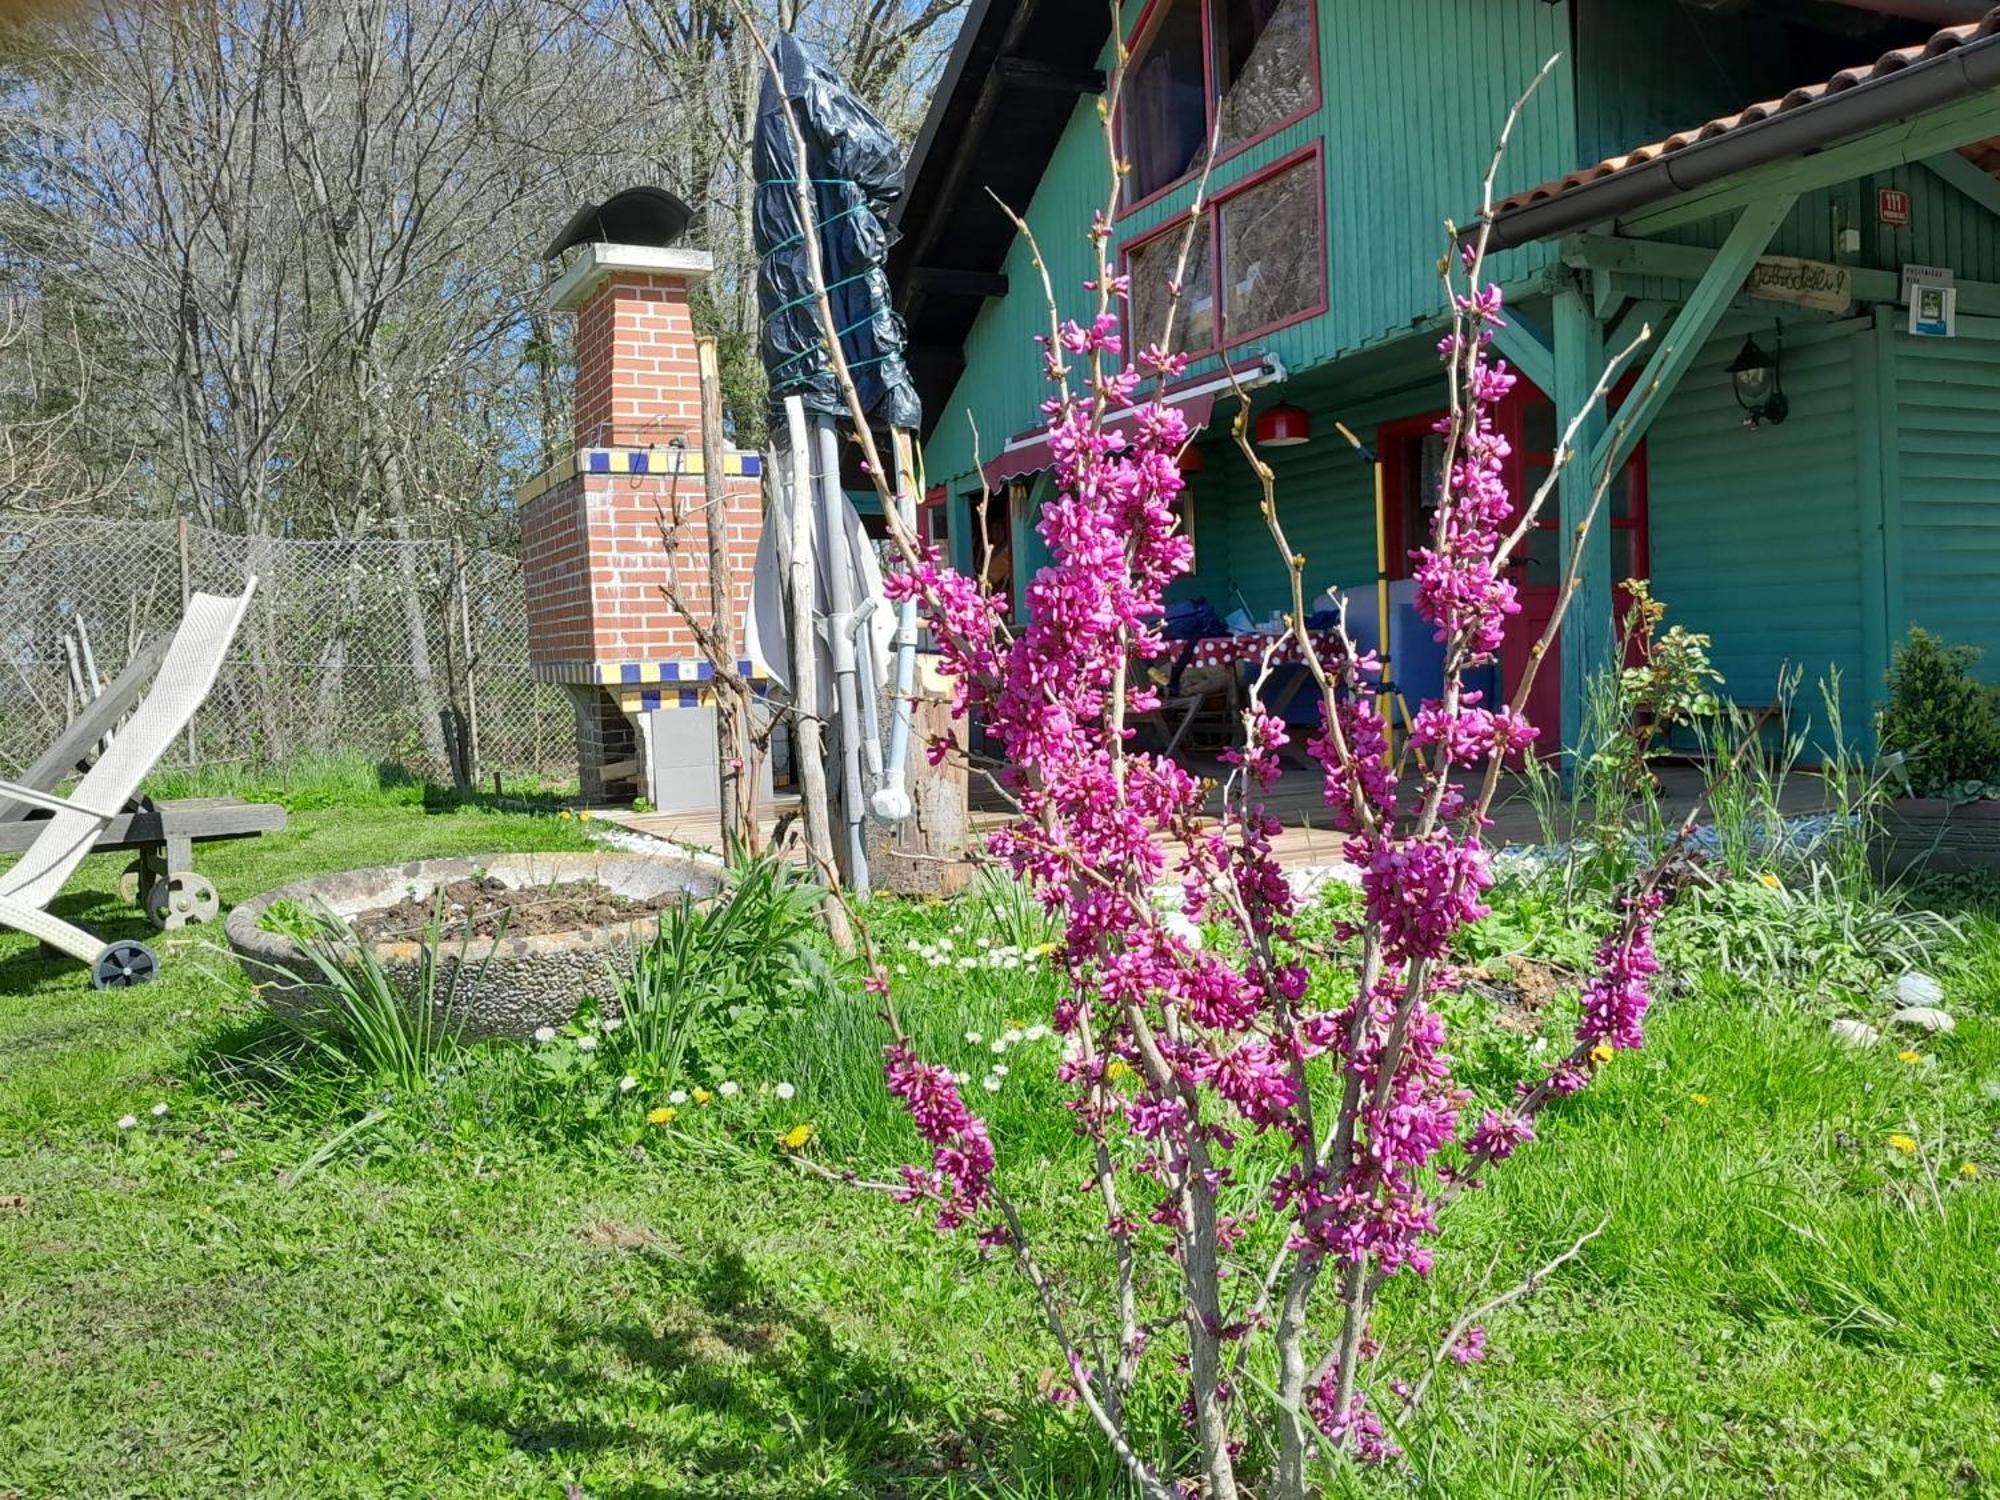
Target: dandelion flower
586 1044
160 1110
545 1033
796 1137
678 1096
1701 1099
662 1116
1909 1056
702 1096
1601 1054
1116 1069
1903 1142
128 1122
584 816
728 1090
627 1084
1968 1170
784 1091
1769 881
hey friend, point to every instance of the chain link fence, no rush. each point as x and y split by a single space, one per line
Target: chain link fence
396 650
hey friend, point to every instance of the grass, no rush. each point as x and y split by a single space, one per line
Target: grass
298 1282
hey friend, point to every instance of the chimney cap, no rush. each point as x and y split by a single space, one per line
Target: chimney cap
649 216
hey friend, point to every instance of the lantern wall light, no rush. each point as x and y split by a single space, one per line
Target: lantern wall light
1758 380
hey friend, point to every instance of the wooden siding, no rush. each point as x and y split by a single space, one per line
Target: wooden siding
1402 152
1756 536
1947 486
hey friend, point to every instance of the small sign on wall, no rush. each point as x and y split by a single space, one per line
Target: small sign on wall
1933 311
1928 275
1892 206
1803 283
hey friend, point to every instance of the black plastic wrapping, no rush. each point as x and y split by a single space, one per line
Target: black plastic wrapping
856 172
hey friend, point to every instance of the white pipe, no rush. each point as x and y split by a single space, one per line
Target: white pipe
840 639
892 795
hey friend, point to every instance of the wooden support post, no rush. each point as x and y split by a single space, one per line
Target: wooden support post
1585 644
187 592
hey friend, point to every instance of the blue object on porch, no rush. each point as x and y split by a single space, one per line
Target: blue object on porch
1191 619
1417 656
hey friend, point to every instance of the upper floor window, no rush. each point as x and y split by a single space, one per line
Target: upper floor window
1237 69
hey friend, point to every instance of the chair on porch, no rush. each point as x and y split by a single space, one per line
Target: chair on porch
1195 699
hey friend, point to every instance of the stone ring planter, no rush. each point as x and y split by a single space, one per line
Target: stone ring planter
521 982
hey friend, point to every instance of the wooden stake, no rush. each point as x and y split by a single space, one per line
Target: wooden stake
736 792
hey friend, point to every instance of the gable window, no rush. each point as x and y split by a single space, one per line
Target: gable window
1232 69
1257 262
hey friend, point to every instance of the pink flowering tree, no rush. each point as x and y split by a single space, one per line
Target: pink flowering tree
1274 1128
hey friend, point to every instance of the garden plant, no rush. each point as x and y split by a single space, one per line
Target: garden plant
1274 1123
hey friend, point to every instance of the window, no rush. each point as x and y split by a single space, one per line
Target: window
1151 264
1235 68
1272 267
1267 234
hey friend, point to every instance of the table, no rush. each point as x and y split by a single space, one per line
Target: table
1226 650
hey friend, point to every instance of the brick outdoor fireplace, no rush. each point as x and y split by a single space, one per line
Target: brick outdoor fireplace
593 556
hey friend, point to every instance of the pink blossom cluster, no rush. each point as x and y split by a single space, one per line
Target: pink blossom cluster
959 1179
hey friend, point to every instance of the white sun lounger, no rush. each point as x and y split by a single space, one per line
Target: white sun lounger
71 832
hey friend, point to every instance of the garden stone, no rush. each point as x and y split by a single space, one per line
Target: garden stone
1924 1018
1855 1033
1915 989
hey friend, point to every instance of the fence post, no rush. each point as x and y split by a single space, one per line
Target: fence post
467 660
187 594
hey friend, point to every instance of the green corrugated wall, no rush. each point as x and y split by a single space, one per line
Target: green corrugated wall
1756 537
1946 519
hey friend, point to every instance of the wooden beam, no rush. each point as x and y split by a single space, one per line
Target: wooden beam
1705 307
1970 119
1049 78
1979 186
949 281
1647 312
1523 347
1629 257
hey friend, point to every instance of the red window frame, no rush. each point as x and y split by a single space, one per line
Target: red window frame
1225 336
1148 19
1392 442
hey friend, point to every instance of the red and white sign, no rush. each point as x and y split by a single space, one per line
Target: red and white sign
1892 206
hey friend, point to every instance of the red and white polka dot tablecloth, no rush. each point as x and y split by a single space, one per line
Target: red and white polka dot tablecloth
1224 650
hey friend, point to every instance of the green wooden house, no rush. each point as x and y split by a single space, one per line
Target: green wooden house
1839 242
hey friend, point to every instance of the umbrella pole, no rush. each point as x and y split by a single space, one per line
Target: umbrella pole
1385 689
808 743
840 638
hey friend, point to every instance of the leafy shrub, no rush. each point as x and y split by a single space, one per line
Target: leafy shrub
1942 720
371 1025
716 973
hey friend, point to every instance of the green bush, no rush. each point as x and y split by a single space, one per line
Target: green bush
1942 720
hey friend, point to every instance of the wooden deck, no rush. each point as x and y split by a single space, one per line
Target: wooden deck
1308 838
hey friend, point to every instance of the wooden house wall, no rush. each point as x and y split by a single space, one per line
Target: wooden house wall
1401 150
1944 522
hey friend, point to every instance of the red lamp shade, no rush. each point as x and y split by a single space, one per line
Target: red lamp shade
1284 426
1191 460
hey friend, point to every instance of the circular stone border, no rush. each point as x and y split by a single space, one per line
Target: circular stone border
516 984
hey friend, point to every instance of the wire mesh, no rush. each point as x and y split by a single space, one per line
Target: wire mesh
376 647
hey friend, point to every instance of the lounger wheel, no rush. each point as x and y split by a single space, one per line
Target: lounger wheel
120 965
181 898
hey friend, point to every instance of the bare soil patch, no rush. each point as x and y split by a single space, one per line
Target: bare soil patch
491 907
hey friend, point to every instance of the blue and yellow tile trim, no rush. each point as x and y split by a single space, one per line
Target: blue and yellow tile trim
635 461
646 685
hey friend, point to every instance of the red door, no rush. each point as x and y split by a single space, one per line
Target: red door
1412 456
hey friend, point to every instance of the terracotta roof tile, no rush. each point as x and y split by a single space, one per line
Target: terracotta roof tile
1945 40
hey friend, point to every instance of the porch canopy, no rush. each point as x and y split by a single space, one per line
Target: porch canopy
1935 105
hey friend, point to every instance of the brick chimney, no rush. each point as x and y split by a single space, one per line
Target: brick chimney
593 556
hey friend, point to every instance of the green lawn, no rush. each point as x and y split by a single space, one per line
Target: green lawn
297 1284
